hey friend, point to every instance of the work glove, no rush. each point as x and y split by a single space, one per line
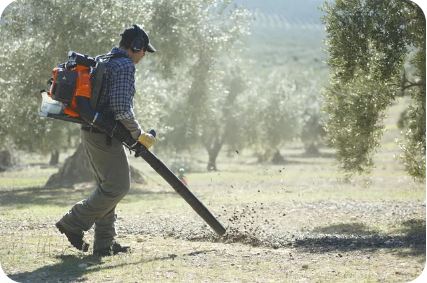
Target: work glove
146 139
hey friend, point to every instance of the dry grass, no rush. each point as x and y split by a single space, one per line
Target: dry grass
301 221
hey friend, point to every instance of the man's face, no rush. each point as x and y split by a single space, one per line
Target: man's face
137 56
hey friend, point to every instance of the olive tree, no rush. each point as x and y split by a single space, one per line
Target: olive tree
221 121
36 36
202 37
376 54
189 35
273 115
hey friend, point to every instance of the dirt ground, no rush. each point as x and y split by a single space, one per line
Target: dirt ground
301 221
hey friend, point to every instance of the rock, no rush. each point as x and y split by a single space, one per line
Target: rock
139 240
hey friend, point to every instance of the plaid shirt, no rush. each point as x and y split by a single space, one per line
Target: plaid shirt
120 86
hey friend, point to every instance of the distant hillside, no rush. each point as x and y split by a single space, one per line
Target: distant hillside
286 33
285 13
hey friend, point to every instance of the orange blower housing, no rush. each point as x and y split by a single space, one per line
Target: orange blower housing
80 76
67 84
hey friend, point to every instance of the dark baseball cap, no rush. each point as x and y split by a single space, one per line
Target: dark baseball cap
139 37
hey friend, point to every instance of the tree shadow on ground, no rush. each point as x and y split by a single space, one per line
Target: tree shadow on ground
313 155
73 268
346 229
286 161
68 270
409 241
61 196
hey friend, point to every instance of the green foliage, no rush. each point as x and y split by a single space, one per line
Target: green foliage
36 36
209 30
197 90
312 133
367 36
369 45
354 125
413 148
273 114
222 119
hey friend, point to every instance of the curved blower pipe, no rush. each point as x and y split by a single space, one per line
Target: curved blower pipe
117 130
180 188
170 177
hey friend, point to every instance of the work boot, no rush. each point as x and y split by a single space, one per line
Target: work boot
76 239
114 249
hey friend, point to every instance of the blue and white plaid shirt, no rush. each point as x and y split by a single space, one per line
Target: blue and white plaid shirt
120 86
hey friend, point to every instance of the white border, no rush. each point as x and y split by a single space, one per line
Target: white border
4 278
421 278
3 5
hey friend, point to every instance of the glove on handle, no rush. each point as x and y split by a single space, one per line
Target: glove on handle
147 139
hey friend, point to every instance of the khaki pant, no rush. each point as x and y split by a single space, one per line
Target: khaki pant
111 170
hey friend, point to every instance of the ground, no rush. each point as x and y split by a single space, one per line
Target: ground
301 221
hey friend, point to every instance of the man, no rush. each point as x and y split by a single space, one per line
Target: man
107 156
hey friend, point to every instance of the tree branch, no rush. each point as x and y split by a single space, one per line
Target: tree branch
411 84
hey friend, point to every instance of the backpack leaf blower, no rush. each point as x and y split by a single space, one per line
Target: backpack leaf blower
75 89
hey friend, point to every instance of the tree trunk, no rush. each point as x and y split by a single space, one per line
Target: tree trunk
6 160
277 158
212 163
54 158
312 150
76 169
213 152
264 156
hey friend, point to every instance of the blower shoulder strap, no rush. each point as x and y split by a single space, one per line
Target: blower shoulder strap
98 77
107 56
